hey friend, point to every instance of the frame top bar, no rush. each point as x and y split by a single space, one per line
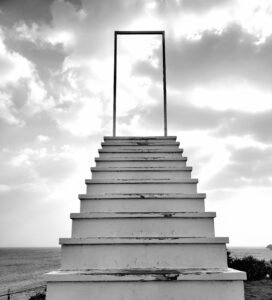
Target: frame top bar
139 32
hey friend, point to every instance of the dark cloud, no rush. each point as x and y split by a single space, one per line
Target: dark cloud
76 3
248 166
182 115
256 125
232 53
28 11
46 57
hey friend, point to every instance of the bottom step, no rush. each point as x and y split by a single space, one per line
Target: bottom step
148 284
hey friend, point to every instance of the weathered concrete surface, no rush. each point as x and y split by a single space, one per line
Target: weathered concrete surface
140 139
141 153
115 186
144 253
152 290
141 173
141 162
140 145
142 203
143 224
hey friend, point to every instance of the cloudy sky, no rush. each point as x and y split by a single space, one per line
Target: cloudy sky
56 72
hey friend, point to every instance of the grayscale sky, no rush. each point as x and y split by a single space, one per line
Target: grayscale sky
56 72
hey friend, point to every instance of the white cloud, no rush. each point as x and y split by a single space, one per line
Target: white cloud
253 16
231 95
64 37
43 138
85 120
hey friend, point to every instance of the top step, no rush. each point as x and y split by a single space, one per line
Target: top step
140 138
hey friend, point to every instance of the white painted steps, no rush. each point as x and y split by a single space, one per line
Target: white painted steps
142 231
143 252
141 173
141 162
117 275
145 224
141 153
140 146
140 139
101 186
146 284
139 202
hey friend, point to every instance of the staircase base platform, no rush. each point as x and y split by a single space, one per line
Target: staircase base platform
185 284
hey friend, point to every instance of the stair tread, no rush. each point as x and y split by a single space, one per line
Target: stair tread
153 137
139 143
143 240
139 181
137 169
113 215
141 159
146 275
140 150
144 196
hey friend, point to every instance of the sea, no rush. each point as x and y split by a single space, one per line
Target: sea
22 269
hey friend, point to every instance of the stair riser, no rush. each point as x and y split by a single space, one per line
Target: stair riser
126 256
121 188
141 164
142 205
145 227
142 175
152 290
149 155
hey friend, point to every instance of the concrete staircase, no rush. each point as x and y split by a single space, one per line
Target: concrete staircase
142 231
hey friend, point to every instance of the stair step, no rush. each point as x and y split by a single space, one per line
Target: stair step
140 145
139 153
143 224
146 196
143 252
139 181
138 169
179 284
145 275
140 138
138 173
141 162
135 150
143 241
142 215
98 186
142 202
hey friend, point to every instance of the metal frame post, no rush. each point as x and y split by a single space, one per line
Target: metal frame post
114 83
116 33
